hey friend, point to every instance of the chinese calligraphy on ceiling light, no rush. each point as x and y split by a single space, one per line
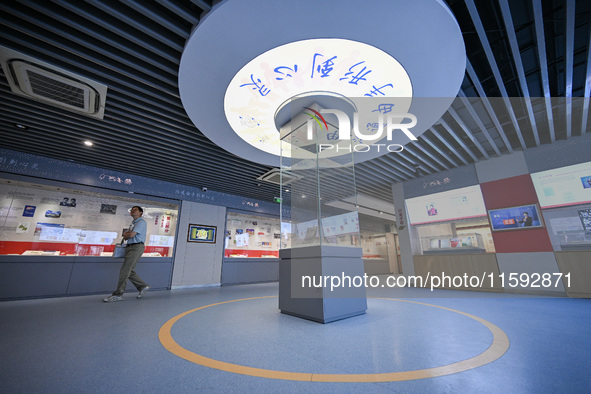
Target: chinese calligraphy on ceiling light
334 67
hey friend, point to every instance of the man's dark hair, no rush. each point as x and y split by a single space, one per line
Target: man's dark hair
525 213
138 208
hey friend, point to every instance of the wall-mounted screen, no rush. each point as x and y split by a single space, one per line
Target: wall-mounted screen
585 216
563 186
200 233
514 218
463 203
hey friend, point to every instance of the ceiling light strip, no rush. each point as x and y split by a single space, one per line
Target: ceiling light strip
479 123
84 27
116 82
494 67
423 137
63 135
570 43
448 145
424 153
177 45
95 18
489 109
169 25
510 28
94 52
543 61
183 13
457 139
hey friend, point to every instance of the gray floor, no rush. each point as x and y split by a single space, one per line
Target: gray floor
81 345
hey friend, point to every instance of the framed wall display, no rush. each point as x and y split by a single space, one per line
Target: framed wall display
456 204
50 220
516 218
570 185
201 233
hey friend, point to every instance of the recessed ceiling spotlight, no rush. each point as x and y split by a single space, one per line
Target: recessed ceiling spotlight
286 190
303 196
20 126
88 143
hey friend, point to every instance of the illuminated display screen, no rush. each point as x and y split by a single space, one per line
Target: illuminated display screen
335 67
463 203
515 218
200 233
563 186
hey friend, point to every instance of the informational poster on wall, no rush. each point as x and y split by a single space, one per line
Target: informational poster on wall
164 224
250 235
563 186
39 218
463 203
161 240
346 223
97 237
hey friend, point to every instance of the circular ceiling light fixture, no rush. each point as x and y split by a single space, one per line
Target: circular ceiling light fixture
240 88
317 69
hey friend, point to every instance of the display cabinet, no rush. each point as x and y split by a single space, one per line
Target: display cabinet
569 227
466 243
46 220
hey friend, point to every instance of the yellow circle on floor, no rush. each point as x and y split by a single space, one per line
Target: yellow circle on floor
498 347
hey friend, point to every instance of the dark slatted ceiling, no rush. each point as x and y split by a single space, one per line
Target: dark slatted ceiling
515 48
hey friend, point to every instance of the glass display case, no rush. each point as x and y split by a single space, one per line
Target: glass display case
253 236
569 227
457 236
45 220
467 243
319 179
375 246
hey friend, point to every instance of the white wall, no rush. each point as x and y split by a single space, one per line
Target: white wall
198 264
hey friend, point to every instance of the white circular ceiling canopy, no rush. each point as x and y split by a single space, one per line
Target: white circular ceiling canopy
246 60
338 67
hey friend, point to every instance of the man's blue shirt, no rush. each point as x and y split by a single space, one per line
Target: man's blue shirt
140 226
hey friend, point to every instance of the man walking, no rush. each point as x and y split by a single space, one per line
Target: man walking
135 237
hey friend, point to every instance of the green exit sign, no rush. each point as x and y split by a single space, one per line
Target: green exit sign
277 199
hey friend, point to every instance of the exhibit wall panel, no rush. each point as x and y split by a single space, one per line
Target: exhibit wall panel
532 266
18 163
512 192
575 150
198 263
455 178
497 168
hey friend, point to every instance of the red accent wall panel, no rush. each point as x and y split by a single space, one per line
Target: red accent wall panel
510 192
16 247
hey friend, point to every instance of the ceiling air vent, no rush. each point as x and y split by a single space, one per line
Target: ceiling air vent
41 81
274 176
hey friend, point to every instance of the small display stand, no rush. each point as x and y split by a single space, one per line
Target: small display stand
320 275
